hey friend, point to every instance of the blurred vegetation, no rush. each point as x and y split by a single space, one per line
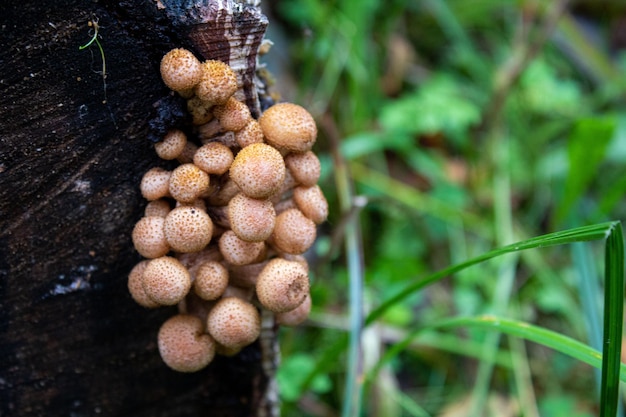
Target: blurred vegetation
449 128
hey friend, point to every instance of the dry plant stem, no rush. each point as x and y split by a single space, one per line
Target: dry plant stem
524 51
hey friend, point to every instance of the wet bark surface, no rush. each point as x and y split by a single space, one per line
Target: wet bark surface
73 148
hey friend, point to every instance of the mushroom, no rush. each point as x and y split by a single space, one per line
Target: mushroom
188 182
258 170
234 323
200 111
180 70
149 237
172 145
187 154
217 84
239 252
155 184
282 285
213 158
211 280
135 286
311 202
188 229
158 208
183 345
251 133
251 219
305 167
294 233
166 281
233 115
288 127
297 315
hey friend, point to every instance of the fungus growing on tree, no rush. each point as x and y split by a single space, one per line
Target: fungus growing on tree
225 229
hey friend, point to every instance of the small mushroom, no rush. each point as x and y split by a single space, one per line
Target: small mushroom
211 280
251 219
239 252
183 345
311 202
158 208
282 285
155 184
258 170
135 286
188 182
180 70
200 111
296 316
294 233
172 145
305 167
213 158
251 133
233 115
234 323
149 237
166 281
217 84
188 229
289 127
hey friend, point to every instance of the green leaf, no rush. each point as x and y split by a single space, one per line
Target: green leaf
586 149
439 105
292 374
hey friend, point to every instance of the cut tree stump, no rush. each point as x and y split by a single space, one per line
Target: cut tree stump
73 148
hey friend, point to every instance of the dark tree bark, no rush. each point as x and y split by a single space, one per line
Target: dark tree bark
72 152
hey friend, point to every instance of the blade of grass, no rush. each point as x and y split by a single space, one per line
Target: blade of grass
527 331
579 234
613 320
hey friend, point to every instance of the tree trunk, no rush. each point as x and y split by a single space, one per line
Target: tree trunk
73 148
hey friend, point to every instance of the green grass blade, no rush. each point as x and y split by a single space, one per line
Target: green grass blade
545 337
580 234
613 317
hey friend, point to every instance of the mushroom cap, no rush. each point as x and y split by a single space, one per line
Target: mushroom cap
180 69
211 280
251 219
297 315
188 182
158 208
217 83
183 345
213 158
258 170
188 229
282 285
294 233
172 145
155 184
166 281
304 167
233 115
200 111
135 286
289 127
251 133
311 202
149 237
237 251
234 323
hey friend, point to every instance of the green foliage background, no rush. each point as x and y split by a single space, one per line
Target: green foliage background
463 126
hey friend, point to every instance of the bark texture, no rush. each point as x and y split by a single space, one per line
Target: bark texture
72 341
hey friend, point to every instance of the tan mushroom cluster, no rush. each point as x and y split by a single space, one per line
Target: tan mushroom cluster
225 231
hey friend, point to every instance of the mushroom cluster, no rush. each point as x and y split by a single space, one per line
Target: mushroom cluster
224 232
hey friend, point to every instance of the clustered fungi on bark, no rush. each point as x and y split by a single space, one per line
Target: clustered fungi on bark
225 231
